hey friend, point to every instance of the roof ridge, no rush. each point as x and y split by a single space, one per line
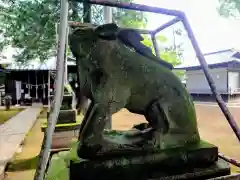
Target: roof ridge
220 51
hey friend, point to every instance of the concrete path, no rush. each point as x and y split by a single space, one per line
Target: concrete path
13 132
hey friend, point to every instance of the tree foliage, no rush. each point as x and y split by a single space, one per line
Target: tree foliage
31 28
171 54
29 25
229 8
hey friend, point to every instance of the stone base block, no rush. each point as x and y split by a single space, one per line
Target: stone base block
199 161
66 116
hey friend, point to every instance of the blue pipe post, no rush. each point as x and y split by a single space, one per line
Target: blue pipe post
209 78
59 81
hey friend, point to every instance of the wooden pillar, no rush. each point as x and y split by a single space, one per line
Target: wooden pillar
28 83
36 86
43 87
49 103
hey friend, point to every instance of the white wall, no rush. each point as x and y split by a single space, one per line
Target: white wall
197 82
233 82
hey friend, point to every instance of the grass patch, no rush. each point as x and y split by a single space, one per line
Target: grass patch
23 164
235 169
6 115
43 113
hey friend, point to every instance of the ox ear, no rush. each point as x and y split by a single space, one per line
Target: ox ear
107 31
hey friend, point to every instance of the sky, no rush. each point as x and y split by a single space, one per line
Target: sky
212 31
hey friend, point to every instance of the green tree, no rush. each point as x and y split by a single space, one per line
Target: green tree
171 54
30 25
229 8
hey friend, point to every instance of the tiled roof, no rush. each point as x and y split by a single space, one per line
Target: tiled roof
34 65
215 59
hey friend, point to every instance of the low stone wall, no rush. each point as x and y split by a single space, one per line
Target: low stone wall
66 116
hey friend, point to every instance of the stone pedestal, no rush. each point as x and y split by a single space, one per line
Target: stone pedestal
67 127
66 116
63 139
66 102
63 135
218 169
65 131
199 161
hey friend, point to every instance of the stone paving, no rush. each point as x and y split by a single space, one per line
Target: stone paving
13 132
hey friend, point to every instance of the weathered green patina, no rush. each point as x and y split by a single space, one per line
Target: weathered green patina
197 161
115 76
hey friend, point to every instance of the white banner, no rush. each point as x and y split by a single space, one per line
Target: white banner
18 89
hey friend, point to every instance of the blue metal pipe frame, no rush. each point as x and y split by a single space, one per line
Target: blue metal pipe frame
180 16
